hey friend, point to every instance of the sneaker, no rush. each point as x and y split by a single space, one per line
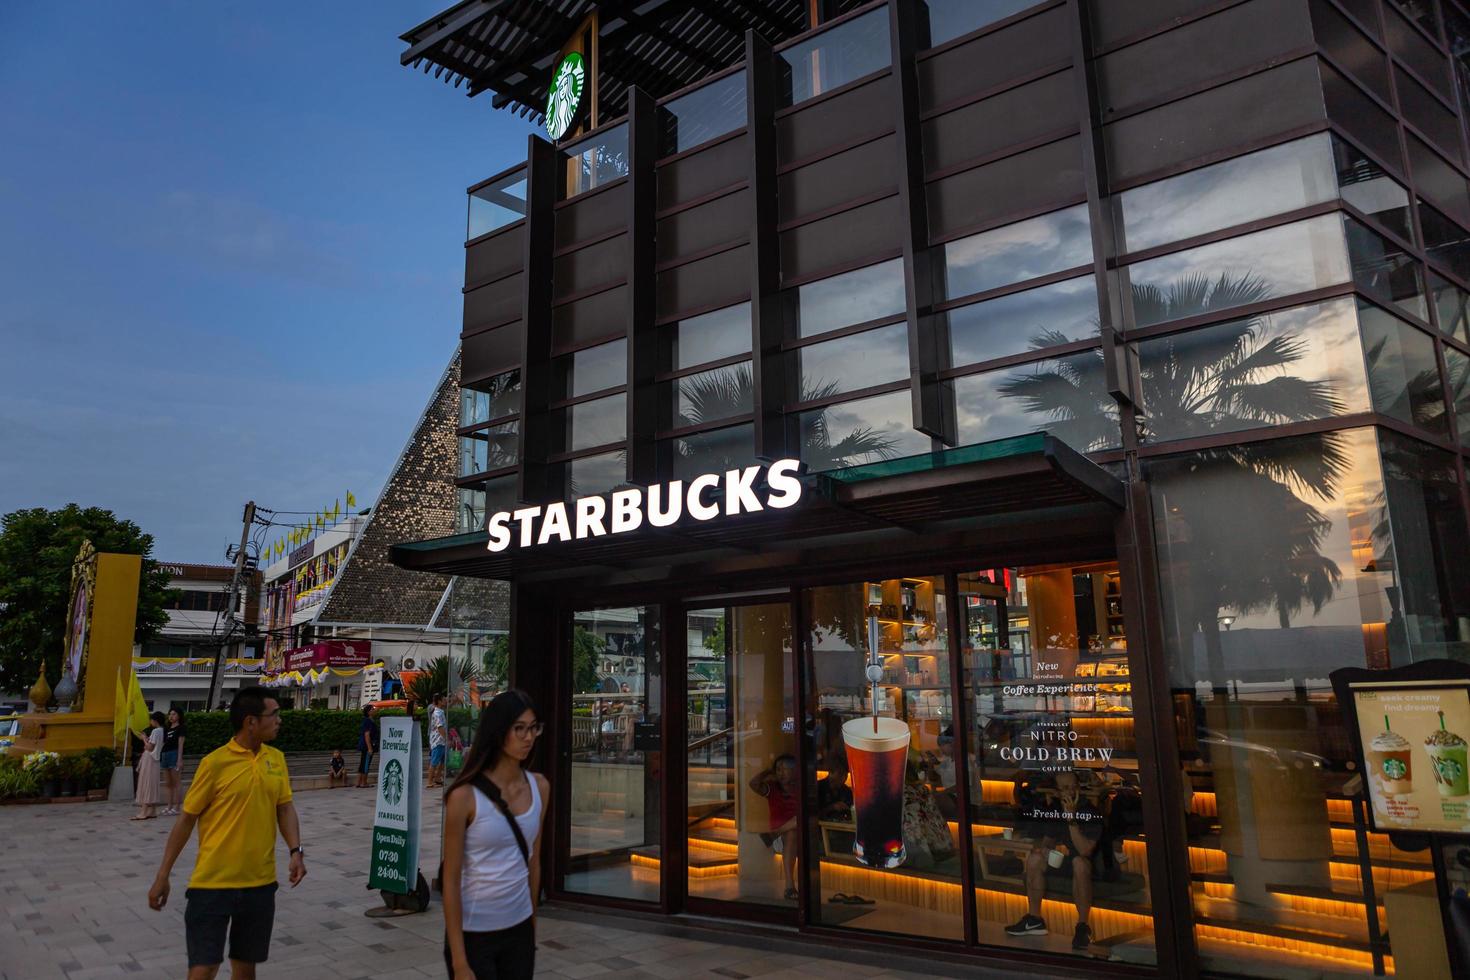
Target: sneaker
1029 925
1082 938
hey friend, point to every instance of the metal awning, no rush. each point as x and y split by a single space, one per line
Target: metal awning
915 497
509 46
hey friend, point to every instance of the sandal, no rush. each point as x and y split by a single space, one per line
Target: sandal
839 898
859 900
790 894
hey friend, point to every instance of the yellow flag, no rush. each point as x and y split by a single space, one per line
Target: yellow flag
119 711
336 509
137 707
351 500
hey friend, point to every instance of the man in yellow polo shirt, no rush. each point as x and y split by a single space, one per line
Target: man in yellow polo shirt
240 795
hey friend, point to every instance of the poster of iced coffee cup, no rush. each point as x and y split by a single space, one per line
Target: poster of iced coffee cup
1413 736
877 750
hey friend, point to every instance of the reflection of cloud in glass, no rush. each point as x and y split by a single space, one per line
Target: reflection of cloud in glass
853 297
1007 325
1025 250
711 336
597 474
870 358
841 435
1258 185
598 422
1290 259
1064 396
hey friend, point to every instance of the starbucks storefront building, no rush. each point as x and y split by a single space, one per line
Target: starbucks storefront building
941 450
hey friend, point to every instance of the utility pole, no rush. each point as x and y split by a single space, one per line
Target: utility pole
233 602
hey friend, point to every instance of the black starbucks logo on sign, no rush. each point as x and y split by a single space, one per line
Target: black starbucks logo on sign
393 782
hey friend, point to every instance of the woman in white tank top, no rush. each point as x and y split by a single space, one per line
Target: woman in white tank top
492 875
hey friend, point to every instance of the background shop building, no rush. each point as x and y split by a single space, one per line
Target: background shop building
1126 346
174 669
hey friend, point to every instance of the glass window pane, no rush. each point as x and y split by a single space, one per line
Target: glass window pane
1259 608
1458 367
1348 106
1428 114
1427 518
1453 305
591 475
1417 53
1366 187
864 294
949 19
615 803
744 786
833 58
1402 370
862 360
884 802
1277 262
699 116
1258 185
489 449
698 399
596 161
1048 707
593 369
1436 180
1270 369
1445 241
470 513
710 452
1384 270
710 336
595 423
497 205
1066 396
500 493
493 399
1025 250
1043 317
862 431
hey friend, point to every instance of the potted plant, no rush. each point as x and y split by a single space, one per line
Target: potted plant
16 783
80 769
43 767
66 776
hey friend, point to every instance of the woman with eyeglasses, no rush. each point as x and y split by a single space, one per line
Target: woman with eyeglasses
493 814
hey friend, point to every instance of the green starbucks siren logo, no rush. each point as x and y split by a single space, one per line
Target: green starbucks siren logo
393 782
565 96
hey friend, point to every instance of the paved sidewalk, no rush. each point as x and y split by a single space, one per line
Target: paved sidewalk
75 882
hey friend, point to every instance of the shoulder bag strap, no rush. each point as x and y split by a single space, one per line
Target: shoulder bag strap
482 783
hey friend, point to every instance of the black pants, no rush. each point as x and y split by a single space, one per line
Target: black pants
505 954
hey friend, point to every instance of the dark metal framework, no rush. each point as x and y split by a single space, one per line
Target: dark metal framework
509 47
495 45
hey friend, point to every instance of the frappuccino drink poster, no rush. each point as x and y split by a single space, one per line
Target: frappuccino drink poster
1415 740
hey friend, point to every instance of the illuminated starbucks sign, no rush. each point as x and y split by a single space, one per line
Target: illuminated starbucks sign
660 505
565 97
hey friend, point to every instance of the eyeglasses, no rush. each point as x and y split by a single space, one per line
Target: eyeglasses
522 730
270 714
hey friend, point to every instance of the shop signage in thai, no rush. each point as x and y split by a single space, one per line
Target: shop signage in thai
565 96
395 858
661 505
1413 738
331 653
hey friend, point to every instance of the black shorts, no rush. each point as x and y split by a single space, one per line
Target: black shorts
505 954
247 914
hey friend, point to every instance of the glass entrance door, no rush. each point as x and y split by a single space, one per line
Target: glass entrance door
744 785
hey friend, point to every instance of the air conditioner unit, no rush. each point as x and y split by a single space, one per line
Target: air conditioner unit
408 663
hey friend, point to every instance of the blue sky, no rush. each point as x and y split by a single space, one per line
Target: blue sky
230 254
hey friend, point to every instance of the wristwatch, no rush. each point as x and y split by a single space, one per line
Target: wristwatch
298 849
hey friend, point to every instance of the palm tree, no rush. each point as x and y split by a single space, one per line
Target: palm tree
723 394
435 678
1245 536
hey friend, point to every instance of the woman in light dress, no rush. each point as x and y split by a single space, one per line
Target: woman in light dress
150 794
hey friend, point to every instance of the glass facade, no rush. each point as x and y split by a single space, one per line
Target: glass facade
1268 328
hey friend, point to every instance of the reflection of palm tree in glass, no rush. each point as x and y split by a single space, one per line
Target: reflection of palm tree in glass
728 393
1245 539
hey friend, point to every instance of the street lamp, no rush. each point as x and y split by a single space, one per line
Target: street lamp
1225 621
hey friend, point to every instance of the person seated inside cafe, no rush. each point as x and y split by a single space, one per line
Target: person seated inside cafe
1059 813
778 784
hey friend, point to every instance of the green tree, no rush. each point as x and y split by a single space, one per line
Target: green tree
497 660
435 678
37 547
587 651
